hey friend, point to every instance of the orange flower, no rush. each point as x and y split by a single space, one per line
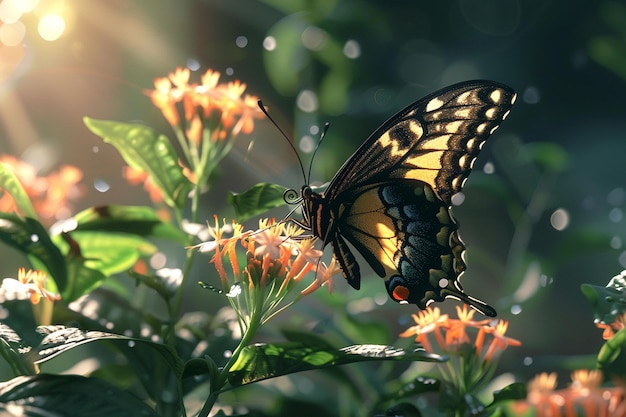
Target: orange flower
164 97
611 328
584 396
275 262
428 321
499 341
136 177
50 195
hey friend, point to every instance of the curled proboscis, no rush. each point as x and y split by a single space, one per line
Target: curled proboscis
291 196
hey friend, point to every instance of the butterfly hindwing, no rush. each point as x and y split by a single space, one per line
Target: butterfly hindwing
391 200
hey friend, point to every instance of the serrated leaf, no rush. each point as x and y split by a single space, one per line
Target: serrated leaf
67 396
139 220
144 149
9 183
263 361
257 200
31 238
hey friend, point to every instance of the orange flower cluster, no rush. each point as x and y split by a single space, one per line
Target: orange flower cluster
50 195
205 102
584 397
276 259
451 334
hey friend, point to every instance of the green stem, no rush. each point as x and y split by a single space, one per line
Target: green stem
246 339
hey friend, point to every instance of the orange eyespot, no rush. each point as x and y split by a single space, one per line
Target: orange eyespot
401 293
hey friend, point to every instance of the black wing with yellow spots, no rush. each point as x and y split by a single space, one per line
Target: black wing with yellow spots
391 199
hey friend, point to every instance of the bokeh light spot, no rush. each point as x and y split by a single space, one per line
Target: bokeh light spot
10 11
241 41
12 34
51 27
313 38
307 144
489 168
352 49
616 215
269 43
560 219
531 95
616 242
307 101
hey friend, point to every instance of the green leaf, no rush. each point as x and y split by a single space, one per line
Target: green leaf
607 302
11 184
109 253
31 238
258 199
263 361
143 149
512 392
93 256
12 349
80 280
60 339
139 220
419 385
67 396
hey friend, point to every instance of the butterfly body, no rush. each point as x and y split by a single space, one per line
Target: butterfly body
391 200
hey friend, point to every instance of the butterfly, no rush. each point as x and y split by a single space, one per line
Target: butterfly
391 200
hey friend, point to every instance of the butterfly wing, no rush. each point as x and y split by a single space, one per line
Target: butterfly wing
391 200
435 140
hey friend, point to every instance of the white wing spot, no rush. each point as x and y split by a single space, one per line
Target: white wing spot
496 96
491 113
434 104
493 130
443 283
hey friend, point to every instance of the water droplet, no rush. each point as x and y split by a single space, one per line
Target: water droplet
101 185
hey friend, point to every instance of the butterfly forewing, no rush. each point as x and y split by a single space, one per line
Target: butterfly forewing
434 140
391 200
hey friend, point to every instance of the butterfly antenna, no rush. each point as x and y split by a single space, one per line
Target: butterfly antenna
319 142
282 132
